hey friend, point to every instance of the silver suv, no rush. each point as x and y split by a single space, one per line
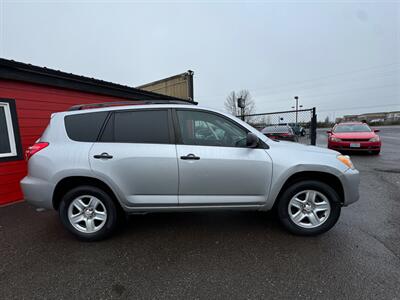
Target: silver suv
94 165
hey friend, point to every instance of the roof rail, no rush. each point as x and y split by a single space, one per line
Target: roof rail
122 103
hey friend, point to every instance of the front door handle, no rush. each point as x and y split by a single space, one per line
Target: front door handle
190 156
104 155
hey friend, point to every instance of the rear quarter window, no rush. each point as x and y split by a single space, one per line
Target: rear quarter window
84 127
140 126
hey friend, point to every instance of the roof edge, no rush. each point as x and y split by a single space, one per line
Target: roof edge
187 73
18 71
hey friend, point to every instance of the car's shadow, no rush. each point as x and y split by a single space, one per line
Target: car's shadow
205 234
218 220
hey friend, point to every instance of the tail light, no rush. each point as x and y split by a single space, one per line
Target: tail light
35 148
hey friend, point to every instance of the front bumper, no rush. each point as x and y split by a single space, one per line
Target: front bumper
350 180
37 192
347 146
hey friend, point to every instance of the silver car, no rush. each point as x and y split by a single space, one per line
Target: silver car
94 165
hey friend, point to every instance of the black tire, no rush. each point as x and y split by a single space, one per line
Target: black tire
291 191
111 212
376 152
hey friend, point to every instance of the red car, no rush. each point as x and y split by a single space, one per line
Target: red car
354 136
280 132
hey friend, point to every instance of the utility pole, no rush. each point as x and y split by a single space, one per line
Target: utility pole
297 107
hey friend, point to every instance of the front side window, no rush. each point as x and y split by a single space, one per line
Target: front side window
208 129
144 126
8 130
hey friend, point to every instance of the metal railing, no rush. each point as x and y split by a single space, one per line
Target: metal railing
302 124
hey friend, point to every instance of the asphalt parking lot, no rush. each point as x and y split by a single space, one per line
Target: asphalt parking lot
216 255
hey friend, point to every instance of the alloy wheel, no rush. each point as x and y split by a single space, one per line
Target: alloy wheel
309 209
87 214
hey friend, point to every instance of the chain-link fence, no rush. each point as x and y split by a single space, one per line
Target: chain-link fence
294 125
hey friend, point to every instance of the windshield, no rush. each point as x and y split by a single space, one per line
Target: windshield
352 128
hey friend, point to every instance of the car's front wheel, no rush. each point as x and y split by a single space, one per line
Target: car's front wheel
89 213
309 207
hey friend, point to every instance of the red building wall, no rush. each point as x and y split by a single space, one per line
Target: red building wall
35 104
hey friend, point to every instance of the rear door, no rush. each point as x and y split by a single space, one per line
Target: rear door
215 166
137 154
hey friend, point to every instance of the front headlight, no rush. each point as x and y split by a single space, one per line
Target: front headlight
346 160
374 139
335 139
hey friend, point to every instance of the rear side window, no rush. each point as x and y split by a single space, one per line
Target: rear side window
85 127
147 126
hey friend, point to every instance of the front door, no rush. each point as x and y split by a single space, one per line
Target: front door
215 166
137 154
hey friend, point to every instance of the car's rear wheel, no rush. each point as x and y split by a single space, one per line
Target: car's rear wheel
309 208
376 152
89 213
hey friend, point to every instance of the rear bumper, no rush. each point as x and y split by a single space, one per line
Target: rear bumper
350 181
37 192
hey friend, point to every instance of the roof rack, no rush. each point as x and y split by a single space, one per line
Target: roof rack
122 103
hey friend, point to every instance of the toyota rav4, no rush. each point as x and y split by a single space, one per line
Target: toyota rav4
95 165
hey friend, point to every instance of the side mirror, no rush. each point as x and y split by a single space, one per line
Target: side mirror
376 130
251 140
329 132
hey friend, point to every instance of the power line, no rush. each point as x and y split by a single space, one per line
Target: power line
316 79
356 107
344 108
327 84
350 91
305 97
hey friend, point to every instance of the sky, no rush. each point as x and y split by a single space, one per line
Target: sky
342 57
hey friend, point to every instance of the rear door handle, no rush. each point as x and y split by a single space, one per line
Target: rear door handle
104 155
190 156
